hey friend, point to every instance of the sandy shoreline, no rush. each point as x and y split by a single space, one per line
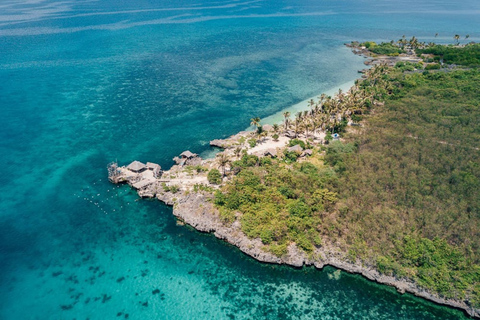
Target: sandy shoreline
303 105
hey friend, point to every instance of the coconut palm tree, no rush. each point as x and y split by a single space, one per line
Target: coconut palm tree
322 98
402 42
311 103
286 115
305 125
237 151
276 128
222 160
297 123
255 122
413 43
457 38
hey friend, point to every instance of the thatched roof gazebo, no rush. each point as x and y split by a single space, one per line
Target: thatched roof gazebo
153 166
307 152
296 148
188 155
136 166
270 152
267 127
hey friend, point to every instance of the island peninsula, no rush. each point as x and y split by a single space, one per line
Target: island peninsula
382 180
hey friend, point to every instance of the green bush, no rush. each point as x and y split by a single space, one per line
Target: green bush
247 160
290 157
434 66
278 249
294 142
385 48
172 189
336 152
467 56
227 216
214 176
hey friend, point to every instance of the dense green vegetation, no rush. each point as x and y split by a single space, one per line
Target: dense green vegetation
280 203
386 48
411 190
466 56
401 193
214 176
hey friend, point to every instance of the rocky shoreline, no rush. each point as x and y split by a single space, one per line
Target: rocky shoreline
197 211
194 206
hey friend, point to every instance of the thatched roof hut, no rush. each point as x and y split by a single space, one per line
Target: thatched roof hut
187 155
296 148
307 152
270 152
136 166
290 134
153 166
267 127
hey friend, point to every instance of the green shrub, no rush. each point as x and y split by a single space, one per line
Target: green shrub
434 66
294 142
202 187
227 216
214 176
278 249
385 48
336 151
172 189
252 143
290 157
247 160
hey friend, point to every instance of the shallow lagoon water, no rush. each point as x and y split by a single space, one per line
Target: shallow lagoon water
86 83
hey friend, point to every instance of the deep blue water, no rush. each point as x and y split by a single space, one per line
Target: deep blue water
83 83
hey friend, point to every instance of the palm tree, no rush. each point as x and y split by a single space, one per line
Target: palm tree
335 121
322 98
413 43
223 160
276 128
298 122
238 151
286 115
457 38
402 42
255 122
311 103
305 114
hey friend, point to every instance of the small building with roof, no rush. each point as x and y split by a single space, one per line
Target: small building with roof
296 148
267 127
136 166
187 155
270 152
307 152
290 134
155 168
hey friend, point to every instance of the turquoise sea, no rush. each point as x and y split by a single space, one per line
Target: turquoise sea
87 82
